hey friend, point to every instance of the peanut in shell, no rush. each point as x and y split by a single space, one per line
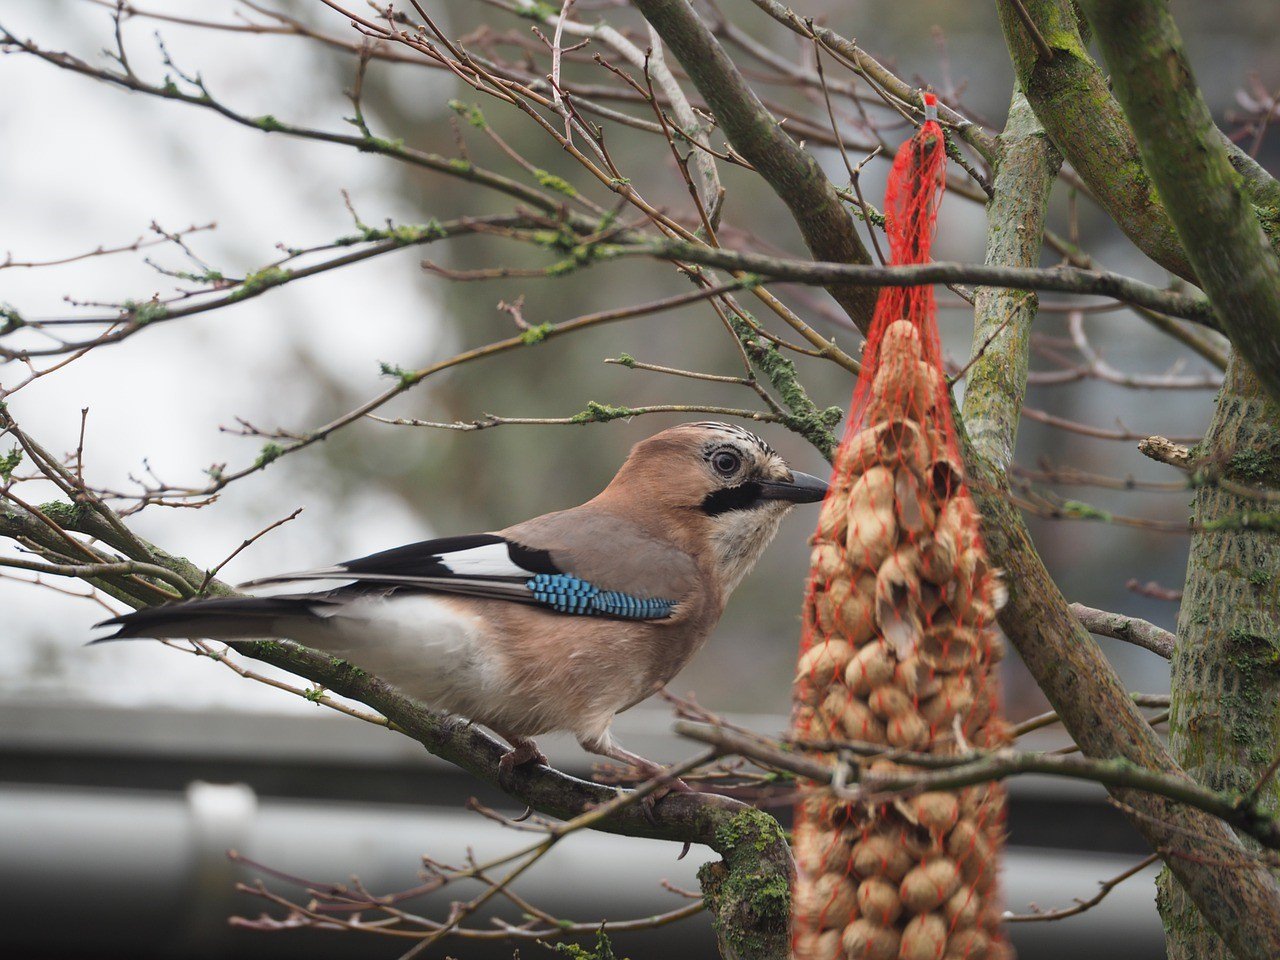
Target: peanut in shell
818 945
969 847
878 901
880 855
964 908
872 666
853 717
866 940
949 647
907 730
828 902
924 938
888 701
898 597
820 850
973 943
827 561
936 811
845 607
824 663
930 885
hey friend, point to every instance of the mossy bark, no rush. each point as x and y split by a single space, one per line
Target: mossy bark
1072 97
749 891
1224 726
1241 899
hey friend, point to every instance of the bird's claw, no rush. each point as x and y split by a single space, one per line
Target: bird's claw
651 800
521 754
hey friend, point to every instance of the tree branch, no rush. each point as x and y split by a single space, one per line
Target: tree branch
1189 166
1238 894
1026 169
795 176
1129 629
1060 279
747 892
987 766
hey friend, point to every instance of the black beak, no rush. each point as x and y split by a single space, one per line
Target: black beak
803 488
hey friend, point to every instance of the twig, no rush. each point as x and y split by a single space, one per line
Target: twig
208 577
1104 888
1037 38
1129 629
979 766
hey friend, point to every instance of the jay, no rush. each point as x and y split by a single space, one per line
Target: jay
554 624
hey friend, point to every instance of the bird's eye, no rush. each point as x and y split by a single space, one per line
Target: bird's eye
726 463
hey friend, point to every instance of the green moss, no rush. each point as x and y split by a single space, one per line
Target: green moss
372 144
270 452
254 283
268 123
1244 521
1255 465
344 666
144 312
65 514
538 11
536 334
561 267
753 827
558 184
402 234
12 319
407 378
9 463
749 891
603 949
803 415
469 112
1084 511
601 413
627 360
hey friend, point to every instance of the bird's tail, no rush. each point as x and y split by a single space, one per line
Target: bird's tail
221 618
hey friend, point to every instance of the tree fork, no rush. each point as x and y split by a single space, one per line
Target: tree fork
1238 895
1203 194
795 176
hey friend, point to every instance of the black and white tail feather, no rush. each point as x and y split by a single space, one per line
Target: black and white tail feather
480 565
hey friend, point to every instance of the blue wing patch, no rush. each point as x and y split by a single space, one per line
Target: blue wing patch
567 594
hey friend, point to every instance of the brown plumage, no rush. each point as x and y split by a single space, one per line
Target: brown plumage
557 623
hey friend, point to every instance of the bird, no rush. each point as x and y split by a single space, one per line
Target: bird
555 624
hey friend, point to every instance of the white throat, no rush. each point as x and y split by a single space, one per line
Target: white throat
739 537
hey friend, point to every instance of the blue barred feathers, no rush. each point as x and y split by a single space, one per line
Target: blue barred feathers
570 595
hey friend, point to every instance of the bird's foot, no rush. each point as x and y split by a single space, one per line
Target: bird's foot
522 752
670 785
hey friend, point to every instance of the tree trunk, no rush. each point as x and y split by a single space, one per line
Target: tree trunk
1224 728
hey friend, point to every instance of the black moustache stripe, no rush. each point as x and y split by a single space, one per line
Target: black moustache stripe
742 497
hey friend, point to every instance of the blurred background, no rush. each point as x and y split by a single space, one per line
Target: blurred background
128 769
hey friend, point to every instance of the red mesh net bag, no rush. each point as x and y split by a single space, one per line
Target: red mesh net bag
899 648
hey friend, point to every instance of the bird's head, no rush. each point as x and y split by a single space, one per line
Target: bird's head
726 488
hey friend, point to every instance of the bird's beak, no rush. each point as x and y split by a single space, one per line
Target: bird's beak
803 488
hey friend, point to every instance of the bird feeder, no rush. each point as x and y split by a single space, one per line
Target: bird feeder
899 650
